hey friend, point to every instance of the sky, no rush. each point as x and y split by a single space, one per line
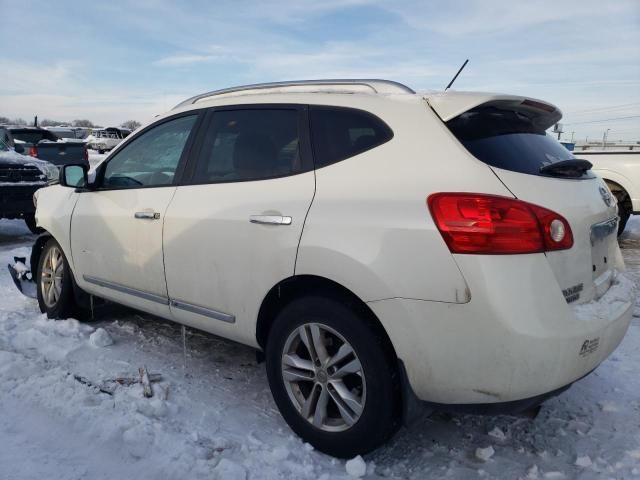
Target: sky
111 61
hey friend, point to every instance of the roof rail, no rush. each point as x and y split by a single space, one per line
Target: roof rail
378 86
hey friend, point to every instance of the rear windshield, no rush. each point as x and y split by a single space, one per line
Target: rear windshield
507 139
33 136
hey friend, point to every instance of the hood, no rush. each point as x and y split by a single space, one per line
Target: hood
11 157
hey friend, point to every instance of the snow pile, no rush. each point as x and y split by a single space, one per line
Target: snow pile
100 338
356 467
613 303
484 454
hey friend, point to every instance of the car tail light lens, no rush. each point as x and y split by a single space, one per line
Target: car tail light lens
490 224
86 154
33 151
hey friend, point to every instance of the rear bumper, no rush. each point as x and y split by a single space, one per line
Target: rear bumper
17 201
516 339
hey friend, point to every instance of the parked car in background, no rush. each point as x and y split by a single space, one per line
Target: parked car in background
620 169
70 133
106 139
20 177
45 145
380 247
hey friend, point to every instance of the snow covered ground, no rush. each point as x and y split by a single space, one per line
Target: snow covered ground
212 415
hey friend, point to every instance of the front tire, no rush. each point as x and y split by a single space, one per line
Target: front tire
55 282
30 221
333 377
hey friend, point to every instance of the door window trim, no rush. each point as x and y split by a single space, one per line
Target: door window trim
200 152
182 162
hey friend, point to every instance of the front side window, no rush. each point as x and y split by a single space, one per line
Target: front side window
250 144
151 159
339 133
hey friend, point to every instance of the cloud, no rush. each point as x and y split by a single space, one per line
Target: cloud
186 59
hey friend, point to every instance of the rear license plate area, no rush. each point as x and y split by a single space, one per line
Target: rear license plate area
603 240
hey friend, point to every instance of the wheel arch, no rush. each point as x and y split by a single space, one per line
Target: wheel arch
297 286
36 250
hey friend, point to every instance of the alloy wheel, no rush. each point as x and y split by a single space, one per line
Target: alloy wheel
323 377
51 276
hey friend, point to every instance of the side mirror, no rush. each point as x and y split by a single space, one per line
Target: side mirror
19 148
74 176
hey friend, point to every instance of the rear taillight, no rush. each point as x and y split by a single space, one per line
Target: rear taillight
86 154
491 224
33 151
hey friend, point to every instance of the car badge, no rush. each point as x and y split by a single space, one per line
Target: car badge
606 196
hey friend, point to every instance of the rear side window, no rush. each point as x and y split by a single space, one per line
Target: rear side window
247 144
339 133
507 139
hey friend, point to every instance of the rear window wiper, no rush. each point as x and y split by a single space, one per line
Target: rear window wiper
573 168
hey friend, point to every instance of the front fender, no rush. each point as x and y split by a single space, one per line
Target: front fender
54 209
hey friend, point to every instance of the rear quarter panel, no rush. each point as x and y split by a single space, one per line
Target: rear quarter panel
369 227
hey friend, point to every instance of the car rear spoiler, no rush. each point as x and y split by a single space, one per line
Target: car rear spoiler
449 105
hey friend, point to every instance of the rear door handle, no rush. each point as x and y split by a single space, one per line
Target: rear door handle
147 215
270 219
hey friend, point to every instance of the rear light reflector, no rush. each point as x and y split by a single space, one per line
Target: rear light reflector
33 151
491 224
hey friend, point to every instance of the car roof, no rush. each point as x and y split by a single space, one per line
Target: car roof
447 104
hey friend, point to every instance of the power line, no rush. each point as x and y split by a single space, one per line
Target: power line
601 109
604 120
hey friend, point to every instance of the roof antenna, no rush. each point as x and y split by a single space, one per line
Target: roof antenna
456 76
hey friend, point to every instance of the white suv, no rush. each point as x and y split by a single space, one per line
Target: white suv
378 245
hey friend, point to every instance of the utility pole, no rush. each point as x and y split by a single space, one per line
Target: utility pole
604 138
572 136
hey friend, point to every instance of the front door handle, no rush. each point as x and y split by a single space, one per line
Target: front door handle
147 215
270 219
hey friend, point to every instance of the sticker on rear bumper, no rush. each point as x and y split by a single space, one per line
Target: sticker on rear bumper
589 346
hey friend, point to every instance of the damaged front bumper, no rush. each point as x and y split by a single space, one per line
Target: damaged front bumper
22 277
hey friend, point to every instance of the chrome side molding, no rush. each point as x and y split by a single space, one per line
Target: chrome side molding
152 297
207 312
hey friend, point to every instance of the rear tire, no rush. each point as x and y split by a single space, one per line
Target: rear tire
312 398
55 282
625 209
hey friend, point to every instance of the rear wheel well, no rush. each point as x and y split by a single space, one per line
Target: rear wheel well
620 193
301 285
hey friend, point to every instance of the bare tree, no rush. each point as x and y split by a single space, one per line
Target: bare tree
4 120
46 122
83 123
131 124
19 121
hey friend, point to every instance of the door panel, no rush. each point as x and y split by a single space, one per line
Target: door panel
228 241
116 230
117 255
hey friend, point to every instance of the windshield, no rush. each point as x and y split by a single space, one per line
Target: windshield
509 140
3 146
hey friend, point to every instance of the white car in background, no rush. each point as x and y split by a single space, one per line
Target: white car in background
620 169
379 246
105 139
